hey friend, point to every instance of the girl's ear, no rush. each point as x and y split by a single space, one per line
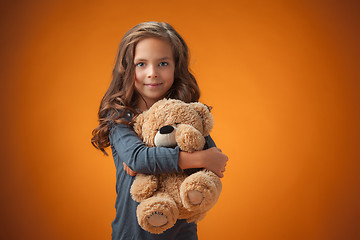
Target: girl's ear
207 118
138 123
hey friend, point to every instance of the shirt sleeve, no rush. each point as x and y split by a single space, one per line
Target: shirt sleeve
140 158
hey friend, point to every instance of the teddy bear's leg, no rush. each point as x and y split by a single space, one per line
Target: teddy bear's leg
157 214
196 218
200 191
143 187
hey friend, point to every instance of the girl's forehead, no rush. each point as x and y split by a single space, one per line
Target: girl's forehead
153 49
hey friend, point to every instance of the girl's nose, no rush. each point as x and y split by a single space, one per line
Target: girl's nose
152 73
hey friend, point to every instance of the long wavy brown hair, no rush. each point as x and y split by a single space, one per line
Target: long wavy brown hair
121 96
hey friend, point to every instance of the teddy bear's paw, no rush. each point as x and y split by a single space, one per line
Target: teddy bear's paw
189 139
157 219
195 197
143 187
199 192
157 214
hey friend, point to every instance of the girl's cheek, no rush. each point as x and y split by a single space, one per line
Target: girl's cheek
139 74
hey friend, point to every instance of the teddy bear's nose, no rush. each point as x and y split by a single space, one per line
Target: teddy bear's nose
166 129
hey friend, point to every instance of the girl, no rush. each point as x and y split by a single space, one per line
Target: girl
152 63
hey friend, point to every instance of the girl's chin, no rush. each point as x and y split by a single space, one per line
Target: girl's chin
154 97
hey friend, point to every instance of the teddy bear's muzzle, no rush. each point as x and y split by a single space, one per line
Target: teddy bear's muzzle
166 129
165 137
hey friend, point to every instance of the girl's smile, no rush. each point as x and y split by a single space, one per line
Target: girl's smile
153 85
154 70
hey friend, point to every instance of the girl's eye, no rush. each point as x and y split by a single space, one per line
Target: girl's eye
140 64
163 64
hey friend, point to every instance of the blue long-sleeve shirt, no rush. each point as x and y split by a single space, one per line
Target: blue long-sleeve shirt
127 147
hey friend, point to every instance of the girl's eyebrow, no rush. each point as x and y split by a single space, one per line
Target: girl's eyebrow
143 59
164 58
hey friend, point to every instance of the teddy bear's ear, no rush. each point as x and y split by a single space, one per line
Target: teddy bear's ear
138 123
207 118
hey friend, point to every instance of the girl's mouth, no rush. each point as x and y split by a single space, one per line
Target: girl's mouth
153 85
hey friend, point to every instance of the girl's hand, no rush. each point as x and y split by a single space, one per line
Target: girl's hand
215 161
128 170
211 159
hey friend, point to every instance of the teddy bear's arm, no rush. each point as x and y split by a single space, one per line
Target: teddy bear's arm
143 187
189 139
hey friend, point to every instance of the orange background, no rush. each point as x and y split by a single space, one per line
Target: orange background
283 80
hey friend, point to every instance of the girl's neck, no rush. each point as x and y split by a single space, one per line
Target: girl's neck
142 105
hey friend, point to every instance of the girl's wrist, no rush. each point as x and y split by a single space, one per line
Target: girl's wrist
191 160
198 159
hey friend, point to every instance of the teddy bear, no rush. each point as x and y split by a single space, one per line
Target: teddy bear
164 198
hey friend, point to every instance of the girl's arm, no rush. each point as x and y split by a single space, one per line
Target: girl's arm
129 148
211 159
137 157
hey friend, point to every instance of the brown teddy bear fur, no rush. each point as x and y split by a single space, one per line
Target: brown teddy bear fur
164 198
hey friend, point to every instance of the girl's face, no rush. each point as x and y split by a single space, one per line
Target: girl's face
154 70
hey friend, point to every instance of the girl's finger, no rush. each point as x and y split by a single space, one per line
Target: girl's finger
128 170
132 173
